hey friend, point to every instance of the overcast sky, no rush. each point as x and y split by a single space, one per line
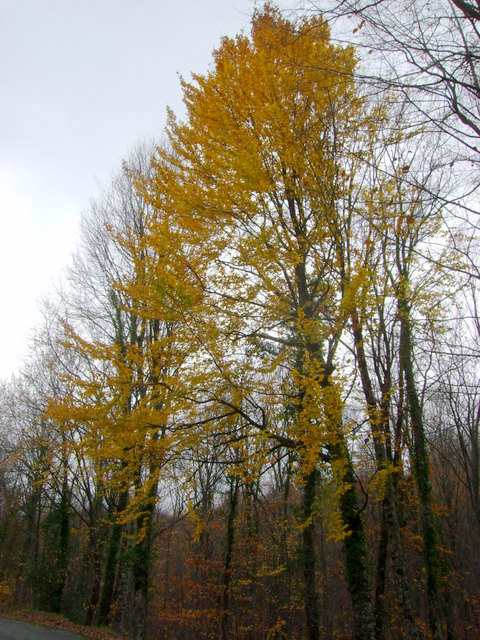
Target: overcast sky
81 82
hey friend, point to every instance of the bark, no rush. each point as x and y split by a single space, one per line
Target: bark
390 537
31 547
111 563
142 558
380 581
391 522
422 477
97 575
309 558
354 547
227 569
63 546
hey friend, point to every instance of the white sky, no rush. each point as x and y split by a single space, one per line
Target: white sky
81 81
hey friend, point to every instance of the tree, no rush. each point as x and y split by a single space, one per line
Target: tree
430 54
257 173
120 393
42 466
427 53
255 331
398 269
458 396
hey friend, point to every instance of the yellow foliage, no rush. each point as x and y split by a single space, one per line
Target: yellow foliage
379 482
329 500
5 591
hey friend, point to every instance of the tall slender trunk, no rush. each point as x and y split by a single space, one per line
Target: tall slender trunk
309 557
142 557
286 576
63 544
30 555
390 538
227 568
380 578
390 520
111 562
321 365
422 476
95 550
354 545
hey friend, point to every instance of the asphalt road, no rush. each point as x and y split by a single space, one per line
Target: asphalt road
14 630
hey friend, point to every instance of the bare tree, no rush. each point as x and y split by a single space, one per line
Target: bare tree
428 51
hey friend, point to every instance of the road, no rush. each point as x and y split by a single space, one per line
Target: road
14 630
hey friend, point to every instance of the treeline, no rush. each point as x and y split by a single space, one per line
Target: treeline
253 411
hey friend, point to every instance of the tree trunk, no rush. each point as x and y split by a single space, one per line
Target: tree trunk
63 546
94 545
422 476
355 548
227 570
380 581
111 563
379 417
142 557
309 557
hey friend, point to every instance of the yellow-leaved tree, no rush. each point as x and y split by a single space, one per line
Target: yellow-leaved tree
129 344
263 174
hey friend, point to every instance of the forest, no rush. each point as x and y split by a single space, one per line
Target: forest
252 411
